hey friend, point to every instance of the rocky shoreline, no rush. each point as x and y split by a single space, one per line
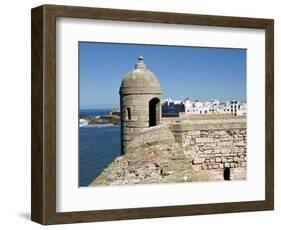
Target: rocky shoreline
106 119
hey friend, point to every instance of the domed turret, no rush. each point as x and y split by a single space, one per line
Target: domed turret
139 102
140 80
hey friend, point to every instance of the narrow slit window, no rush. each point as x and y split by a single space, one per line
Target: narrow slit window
129 113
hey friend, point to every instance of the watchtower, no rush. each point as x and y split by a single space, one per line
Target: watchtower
140 103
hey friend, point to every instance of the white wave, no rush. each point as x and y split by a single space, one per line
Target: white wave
83 122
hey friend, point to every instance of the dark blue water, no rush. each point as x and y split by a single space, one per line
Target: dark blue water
98 147
93 112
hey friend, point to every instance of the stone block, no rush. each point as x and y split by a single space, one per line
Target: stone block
190 152
217 150
197 168
198 160
227 140
220 132
224 151
223 160
237 150
218 159
225 143
240 144
207 151
236 159
201 140
204 166
194 132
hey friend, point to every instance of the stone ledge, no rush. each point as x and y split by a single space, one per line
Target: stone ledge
209 125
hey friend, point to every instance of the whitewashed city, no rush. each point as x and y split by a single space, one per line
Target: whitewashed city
187 107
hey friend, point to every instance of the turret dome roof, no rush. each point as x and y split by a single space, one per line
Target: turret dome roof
140 80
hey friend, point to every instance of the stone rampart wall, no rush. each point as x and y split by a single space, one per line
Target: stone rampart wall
204 150
215 146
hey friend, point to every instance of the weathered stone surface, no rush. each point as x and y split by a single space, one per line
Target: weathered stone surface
203 140
198 160
153 164
208 151
194 133
240 144
225 143
218 159
227 165
151 136
238 173
226 150
160 155
220 132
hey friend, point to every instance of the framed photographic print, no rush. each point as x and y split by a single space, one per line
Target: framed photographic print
141 114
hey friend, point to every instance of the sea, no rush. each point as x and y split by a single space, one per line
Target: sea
99 145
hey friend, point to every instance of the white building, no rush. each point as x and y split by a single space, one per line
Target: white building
213 106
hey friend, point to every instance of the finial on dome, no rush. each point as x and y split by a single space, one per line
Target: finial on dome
140 58
140 64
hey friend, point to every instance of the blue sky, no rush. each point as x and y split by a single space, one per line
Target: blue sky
193 72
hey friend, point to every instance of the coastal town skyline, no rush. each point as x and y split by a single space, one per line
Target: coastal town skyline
172 99
197 73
